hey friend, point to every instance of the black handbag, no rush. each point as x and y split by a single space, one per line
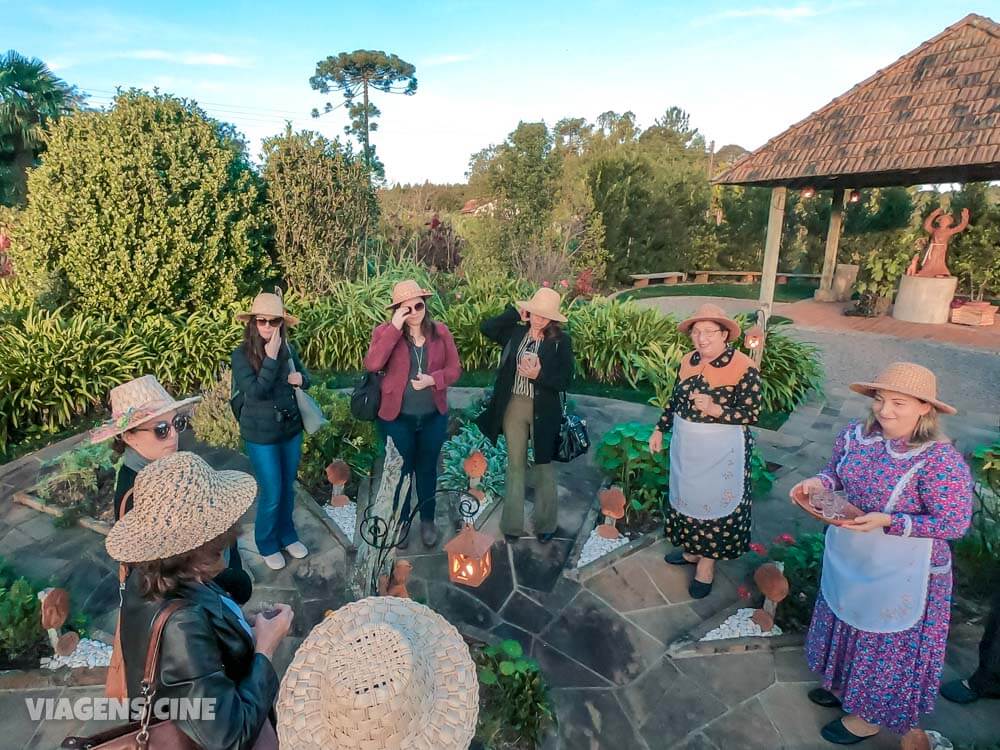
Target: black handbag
367 396
574 441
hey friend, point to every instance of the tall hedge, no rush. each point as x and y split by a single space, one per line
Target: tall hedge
150 206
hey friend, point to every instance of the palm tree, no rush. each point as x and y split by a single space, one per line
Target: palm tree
30 96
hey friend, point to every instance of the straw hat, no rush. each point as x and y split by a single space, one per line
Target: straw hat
714 313
408 289
136 402
383 673
179 503
544 302
907 378
268 305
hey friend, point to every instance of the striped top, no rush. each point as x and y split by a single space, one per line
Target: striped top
523 386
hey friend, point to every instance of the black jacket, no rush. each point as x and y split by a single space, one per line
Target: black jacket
270 414
205 653
556 358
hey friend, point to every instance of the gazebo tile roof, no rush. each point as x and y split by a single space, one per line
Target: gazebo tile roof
937 107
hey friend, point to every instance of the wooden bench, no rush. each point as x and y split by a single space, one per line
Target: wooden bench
640 280
745 277
782 278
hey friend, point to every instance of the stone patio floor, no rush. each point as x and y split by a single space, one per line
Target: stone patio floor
602 643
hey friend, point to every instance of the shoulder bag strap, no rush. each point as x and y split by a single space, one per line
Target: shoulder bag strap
149 674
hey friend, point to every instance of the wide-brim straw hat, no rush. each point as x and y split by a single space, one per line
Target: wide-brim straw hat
909 379
714 313
178 503
384 673
405 290
136 402
268 305
544 302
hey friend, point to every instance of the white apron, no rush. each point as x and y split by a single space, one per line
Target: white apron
875 581
706 468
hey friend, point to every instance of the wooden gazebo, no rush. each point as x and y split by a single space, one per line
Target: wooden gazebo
932 116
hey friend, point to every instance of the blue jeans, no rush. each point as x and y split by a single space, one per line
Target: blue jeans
275 467
419 441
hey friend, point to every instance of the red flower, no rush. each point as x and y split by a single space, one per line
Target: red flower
546 283
785 539
743 592
759 548
564 284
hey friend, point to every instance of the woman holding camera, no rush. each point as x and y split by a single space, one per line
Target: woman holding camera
420 361
265 373
536 367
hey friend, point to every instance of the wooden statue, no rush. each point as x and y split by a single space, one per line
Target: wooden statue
939 226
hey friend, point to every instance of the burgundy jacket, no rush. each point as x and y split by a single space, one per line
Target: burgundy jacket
388 351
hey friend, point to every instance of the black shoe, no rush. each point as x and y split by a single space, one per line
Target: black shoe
428 533
676 557
838 734
404 539
545 538
511 538
958 691
824 698
699 589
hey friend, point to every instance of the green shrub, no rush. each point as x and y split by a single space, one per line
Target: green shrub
454 452
344 437
154 190
21 631
789 370
213 421
513 696
980 547
81 482
624 458
802 560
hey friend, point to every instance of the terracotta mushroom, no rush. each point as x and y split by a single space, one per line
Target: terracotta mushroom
477 493
55 610
67 643
395 584
916 739
612 508
338 474
774 586
475 467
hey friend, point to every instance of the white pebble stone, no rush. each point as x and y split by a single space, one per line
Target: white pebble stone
740 625
88 653
345 517
597 546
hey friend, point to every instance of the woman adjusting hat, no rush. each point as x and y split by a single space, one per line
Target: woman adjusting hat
715 398
880 625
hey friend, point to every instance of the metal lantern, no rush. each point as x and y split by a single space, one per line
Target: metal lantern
469 559
754 337
808 192
854 196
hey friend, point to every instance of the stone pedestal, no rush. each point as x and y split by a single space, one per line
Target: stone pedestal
843 284
924 300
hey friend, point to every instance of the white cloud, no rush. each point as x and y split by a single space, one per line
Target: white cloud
431 62
213 59
777 12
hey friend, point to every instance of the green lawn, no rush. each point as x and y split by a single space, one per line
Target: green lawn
793 291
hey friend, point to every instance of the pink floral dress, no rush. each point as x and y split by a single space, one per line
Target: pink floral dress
889 679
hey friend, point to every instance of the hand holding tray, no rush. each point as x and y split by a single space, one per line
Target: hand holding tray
828 506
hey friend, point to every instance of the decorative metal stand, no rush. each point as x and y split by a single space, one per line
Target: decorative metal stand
383 526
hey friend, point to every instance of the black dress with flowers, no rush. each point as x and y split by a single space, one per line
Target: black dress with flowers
728 537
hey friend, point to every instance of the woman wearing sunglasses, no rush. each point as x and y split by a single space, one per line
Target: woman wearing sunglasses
420 361
145 425
265 373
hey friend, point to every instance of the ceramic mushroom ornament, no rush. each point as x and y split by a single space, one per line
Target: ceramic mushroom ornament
612 508
338 474
475 469
774 586
55 611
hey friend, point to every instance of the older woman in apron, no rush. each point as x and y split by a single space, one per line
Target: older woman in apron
880 625
716 396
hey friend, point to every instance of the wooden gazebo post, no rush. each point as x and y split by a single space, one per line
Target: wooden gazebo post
772 246
825 291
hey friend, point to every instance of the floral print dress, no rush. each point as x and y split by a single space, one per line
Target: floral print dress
890 679
728 537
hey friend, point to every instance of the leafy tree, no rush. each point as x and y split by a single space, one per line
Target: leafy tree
322 207
974 255
355 72
150 206
30 97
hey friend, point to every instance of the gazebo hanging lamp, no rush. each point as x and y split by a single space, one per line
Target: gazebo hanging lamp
809 192
854 196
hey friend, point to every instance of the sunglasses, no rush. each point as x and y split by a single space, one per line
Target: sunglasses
273 322
180 422
417 307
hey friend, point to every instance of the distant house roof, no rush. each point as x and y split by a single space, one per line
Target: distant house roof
470 206
931 116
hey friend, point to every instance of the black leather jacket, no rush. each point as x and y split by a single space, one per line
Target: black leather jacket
205 653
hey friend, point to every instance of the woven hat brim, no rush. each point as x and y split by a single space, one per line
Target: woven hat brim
728 323
424 294
290 320
110 430
525 304
138 537
869 389
449 725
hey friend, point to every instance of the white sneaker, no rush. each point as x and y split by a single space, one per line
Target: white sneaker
297 550
275 561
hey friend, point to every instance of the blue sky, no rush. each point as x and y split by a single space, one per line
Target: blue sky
744 70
